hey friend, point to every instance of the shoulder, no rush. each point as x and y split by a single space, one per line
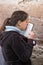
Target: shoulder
9 34
12 34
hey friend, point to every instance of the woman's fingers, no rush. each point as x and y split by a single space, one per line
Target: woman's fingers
31 35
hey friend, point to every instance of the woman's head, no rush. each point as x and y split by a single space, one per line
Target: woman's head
18 17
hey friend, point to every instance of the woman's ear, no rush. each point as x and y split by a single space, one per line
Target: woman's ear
19 23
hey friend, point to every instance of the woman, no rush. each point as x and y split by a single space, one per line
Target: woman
16 48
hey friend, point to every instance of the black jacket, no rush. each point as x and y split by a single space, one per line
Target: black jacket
16 48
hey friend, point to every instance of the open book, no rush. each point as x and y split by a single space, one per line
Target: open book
29 28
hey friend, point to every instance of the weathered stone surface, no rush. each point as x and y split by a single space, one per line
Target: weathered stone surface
35 11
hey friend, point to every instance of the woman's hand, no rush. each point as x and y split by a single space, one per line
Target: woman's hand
31 35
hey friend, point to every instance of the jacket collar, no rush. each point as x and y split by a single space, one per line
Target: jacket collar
12 28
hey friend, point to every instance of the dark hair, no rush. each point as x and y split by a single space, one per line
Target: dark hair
15 17
6 22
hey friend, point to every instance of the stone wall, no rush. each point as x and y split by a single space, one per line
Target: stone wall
35 11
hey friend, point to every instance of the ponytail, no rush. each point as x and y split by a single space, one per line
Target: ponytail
6 22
